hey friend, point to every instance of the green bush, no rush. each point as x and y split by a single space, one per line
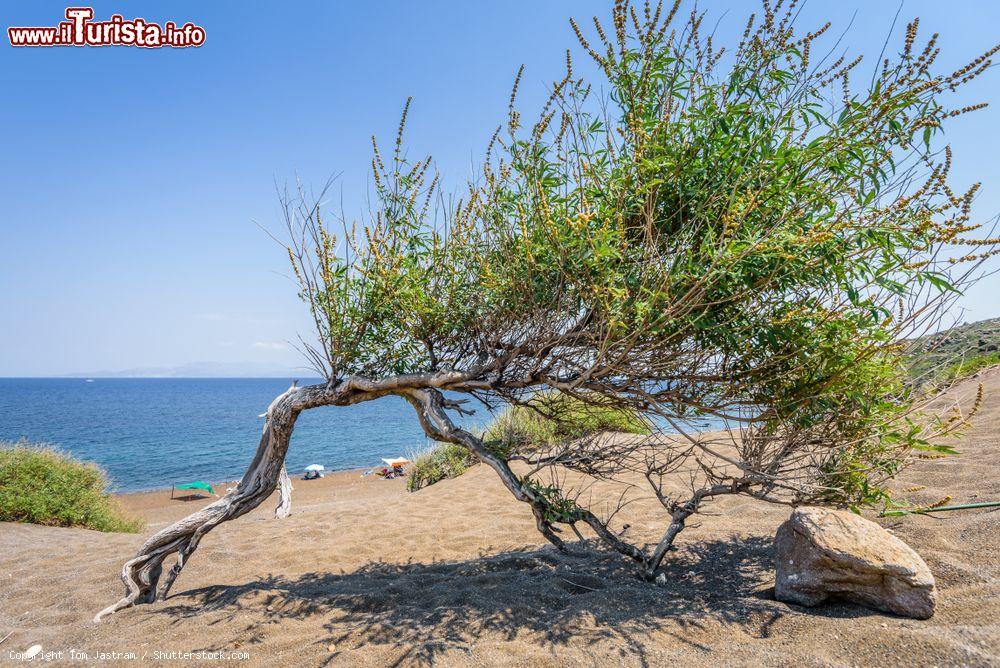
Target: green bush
445 460
42 485
553 418
558 418
971 365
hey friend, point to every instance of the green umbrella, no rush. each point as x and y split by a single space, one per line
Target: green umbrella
197 484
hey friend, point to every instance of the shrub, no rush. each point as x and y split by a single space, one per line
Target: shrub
42 485
445 460
971 365
551 418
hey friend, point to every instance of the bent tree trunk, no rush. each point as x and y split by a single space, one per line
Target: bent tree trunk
142 573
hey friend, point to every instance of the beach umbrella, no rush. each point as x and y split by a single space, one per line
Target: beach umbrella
398 461
197 485
315 467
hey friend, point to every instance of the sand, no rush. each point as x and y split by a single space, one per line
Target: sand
365 573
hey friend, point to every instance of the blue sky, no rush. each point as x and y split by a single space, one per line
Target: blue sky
131 179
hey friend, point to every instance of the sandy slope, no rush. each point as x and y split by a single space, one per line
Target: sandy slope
364 573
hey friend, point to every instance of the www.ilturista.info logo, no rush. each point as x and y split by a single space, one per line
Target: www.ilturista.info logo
80 30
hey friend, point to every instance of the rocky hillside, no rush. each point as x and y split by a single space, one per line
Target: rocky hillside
956 352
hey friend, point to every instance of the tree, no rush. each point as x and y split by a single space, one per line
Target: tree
749 236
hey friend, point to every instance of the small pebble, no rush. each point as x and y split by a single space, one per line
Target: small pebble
331 648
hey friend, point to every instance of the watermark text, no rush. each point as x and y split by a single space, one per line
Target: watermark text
79 29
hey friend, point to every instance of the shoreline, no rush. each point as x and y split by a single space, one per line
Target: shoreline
157 508
223 484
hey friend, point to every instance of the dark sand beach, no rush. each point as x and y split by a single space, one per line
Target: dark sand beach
365 573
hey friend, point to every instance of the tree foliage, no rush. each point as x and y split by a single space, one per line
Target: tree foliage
745 234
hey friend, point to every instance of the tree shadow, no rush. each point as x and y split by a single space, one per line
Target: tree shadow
426 610
190 497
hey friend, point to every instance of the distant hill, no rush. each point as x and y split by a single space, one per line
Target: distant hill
956 352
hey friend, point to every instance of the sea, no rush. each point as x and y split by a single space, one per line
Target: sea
149 433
